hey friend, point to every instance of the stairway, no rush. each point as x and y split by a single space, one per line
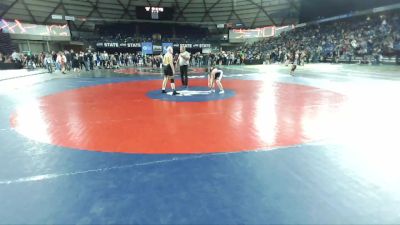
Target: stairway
6 45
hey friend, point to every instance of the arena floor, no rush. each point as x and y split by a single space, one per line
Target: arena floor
106 147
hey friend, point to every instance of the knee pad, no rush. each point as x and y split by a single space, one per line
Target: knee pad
172 80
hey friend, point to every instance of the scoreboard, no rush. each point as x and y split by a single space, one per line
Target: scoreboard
154 13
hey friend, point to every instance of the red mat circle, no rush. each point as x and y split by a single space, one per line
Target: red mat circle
119 117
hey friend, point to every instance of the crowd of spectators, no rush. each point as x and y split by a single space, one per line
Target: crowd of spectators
148 38
69 60
364 39
153 32
5 58
15 60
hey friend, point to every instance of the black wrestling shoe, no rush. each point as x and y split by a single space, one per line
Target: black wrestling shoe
163 92
175 93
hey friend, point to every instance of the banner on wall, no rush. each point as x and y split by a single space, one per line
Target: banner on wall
165 46
117 45
111 45
133 45
147 48
200 46
240 35
157 49
186 45
18 27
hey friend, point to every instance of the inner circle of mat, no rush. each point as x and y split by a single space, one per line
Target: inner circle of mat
192 94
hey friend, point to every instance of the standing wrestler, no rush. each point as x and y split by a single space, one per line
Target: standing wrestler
183 61
215 76
169 70
293 60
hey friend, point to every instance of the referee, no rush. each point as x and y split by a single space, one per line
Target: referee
183 61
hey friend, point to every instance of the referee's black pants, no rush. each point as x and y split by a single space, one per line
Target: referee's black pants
184 75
